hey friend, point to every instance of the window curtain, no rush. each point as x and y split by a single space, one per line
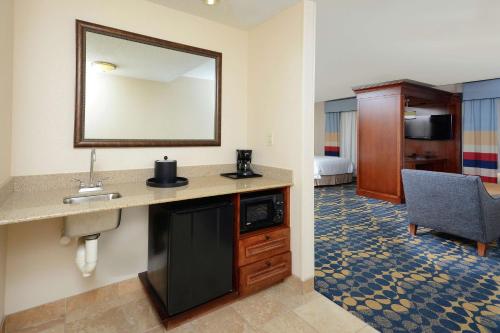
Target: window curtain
480 138
348 136
333 124
332 127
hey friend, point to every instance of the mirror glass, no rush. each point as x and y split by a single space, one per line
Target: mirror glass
134 91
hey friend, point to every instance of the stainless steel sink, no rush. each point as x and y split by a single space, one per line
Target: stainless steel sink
78 199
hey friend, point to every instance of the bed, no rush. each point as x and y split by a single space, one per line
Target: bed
332 170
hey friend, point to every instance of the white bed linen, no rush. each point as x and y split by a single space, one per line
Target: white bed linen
331 165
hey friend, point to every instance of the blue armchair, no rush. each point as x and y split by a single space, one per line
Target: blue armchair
452 203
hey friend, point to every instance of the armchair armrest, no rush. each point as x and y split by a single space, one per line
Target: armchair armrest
491 214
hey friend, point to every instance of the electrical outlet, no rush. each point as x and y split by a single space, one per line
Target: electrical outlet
269 139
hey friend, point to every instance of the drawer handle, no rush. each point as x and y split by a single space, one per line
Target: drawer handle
265 247
267 274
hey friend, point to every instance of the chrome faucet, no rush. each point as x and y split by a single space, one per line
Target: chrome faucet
93 158
92 184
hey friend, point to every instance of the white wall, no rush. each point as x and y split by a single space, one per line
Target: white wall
6 13
454 88
437 42
39 270
44 70
280 103
319 128
183 108
306 203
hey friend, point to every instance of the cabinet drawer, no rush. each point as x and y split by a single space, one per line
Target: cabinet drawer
265 273
262 246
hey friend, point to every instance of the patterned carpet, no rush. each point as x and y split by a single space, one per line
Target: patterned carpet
367 263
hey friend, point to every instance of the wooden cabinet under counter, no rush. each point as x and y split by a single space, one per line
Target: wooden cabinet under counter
264 256
264 245
264 273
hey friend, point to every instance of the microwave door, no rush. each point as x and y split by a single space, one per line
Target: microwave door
258 214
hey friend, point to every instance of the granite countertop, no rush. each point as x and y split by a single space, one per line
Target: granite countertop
23 206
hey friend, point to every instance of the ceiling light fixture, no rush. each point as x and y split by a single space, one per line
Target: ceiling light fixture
104 66
211 2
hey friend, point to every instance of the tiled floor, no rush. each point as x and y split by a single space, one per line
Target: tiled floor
123 307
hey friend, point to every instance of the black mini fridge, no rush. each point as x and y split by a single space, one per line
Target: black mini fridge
190 252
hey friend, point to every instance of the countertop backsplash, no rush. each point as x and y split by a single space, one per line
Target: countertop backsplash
6 188
66 180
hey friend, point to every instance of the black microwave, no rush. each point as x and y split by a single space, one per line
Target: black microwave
260 210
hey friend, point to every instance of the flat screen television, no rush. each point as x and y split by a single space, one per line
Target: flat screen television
431 127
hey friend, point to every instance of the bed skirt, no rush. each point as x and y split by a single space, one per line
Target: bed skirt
334 180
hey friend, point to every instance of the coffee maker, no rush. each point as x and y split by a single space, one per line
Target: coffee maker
243 162
243 165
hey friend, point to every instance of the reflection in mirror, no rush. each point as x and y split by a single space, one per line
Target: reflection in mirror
138 91
145 92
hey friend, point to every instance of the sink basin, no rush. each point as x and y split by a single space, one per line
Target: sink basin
78 199
91 223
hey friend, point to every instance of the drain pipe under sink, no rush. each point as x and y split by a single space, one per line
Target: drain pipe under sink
86 254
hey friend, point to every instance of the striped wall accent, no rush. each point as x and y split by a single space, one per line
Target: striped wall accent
480 141
332 126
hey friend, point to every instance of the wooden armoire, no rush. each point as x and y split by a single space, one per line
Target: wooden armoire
382 148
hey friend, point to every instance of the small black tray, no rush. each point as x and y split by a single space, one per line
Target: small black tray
181 181
235 175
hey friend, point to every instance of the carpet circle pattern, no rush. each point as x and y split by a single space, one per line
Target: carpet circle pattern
368 263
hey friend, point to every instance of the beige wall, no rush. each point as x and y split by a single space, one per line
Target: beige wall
43 134
3 260
280 87
6 13
3 266
319 128
6 7
40 270
280 103
46 29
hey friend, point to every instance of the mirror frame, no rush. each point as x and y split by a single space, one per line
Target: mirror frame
79 130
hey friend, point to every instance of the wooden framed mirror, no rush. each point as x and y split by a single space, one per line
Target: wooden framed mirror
138 91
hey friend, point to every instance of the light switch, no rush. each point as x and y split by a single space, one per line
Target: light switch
269 139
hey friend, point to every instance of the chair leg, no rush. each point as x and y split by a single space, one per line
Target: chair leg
481 249
412 228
